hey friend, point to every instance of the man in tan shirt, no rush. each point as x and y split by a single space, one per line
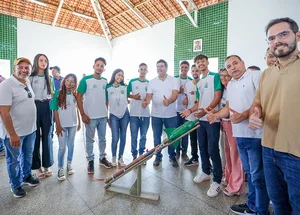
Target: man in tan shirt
275 108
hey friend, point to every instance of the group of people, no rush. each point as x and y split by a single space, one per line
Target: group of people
253 109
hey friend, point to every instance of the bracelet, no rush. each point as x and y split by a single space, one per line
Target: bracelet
190 111
82 114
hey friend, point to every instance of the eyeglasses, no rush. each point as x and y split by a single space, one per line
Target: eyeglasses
281 35
225 76
28 92
24 67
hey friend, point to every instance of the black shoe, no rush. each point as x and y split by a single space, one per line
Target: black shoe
177 155
19 192
156 162
31 181
241 209
105 162
134 157
174 162
191 162
90 167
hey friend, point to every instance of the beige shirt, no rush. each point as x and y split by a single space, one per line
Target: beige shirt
278 94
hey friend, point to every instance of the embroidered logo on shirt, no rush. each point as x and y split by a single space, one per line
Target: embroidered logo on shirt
206 85
137 87
192 92
122 91
95 86
36 82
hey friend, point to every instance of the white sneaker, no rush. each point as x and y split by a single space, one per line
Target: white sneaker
201 177
70 169
121 162
114 161
214 189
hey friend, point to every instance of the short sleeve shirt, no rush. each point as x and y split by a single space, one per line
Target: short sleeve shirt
136 86
117 99
159 89
181 96
68 116
278 94
207 86
23 110
94 96
39 87
193 97
240 96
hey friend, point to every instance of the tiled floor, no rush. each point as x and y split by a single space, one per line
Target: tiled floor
84 194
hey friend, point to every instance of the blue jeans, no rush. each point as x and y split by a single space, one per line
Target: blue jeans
137 123
90 129
118 131
157 126
208 136
1 145
250 151
67 139
282 171
19 160
184 141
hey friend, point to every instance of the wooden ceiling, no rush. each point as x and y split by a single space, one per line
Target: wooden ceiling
116 17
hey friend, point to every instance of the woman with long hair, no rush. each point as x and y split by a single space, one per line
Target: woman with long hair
42 86
67 121
234 174
116 92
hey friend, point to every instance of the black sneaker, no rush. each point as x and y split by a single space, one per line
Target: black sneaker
105 162
191 162
156 162
90 167
31 181
174 162
241 209
19 192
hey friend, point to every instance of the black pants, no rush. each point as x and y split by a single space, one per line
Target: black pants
194 144
43 124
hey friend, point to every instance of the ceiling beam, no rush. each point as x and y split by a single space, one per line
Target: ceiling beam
136 13
125 11
187 13
57 12
102 21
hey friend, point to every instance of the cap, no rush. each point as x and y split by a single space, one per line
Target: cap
55 67
21 59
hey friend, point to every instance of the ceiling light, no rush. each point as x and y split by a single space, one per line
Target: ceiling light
82 15
38 2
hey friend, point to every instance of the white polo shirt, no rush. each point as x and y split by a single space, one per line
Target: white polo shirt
240 95
23 110
136 86
192 95
68 116
159 89
207 86
39 87
181 96
94 102
117 99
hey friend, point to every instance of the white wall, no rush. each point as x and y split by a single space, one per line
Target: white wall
73 52
146 45
246 26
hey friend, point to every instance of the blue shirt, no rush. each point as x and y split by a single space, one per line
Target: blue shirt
57 83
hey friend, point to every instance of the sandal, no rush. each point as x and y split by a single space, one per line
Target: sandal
40 175
48 173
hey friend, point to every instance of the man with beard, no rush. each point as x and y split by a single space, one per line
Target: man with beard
18 113
91 101
275 108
